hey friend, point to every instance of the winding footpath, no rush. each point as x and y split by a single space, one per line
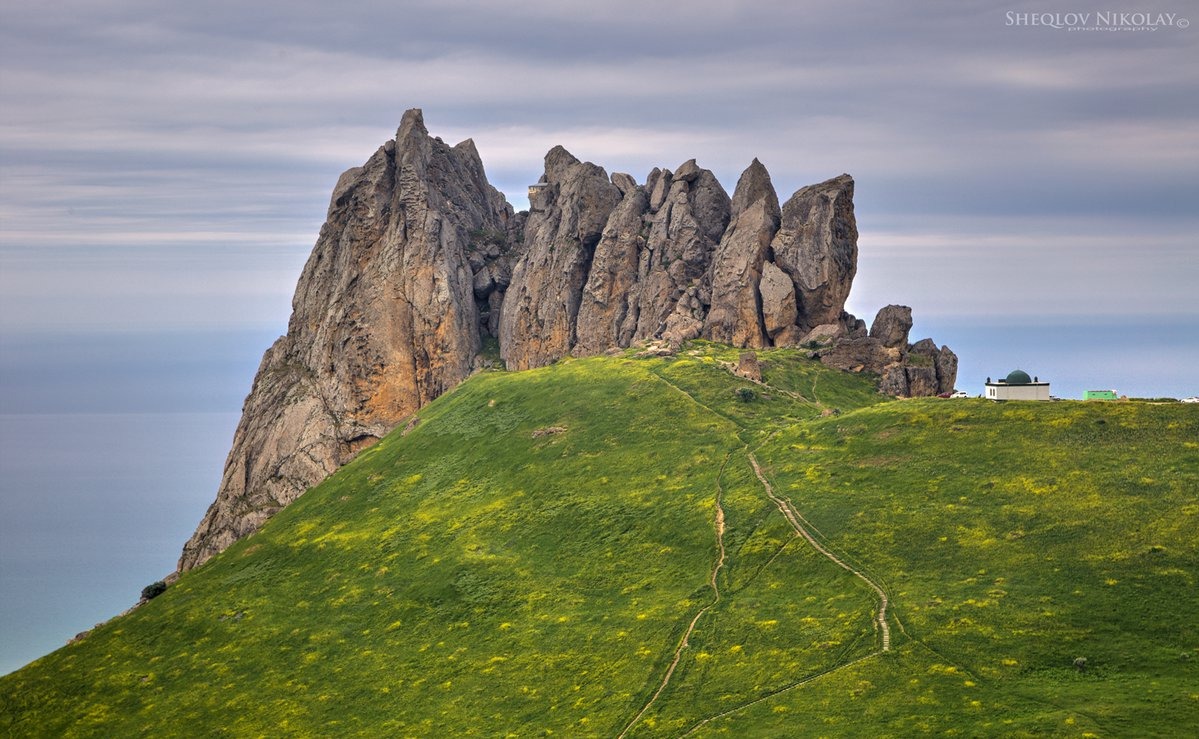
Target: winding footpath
803 529
795 520
678 653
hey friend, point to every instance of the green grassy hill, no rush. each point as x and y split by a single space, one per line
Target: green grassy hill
587 550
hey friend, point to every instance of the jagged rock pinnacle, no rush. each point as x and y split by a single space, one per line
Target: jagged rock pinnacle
421 260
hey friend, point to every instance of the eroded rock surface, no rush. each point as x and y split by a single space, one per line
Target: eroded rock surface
689 211
388 314
892 325
421 263
904 370
817 245
737 314
566 222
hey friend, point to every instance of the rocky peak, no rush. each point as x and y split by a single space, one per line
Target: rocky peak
738 315
421 260
386 317
754 186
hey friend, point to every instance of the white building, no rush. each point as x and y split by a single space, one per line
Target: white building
1017 386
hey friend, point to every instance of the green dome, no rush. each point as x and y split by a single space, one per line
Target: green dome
1018 377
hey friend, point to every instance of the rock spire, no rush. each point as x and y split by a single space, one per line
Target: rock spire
421 262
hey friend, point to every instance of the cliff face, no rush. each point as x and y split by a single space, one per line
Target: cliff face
388 314
420 260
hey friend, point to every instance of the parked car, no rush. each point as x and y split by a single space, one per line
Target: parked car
1192 399
960 394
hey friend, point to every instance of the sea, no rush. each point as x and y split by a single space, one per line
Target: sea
112 444
111 450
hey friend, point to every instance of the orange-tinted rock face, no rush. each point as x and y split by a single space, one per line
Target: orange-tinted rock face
384 320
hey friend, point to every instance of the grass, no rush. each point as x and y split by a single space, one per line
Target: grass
527 560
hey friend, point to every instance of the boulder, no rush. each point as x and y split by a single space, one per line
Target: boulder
823 334
925 348
855 327
790 336
624 182
891 326
779 310
749 367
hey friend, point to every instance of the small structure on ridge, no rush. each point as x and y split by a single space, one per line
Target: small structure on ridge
1017 386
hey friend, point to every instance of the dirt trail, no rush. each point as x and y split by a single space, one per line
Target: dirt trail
795 520
718 524
802 529
731 368
773 694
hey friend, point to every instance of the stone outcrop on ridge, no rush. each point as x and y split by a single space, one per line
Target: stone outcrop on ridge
738 315
905 370
388 314
421 261
817 245
566 220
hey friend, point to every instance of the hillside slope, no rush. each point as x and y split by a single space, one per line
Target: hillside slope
585 549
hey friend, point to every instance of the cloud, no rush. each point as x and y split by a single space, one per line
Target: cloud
151 137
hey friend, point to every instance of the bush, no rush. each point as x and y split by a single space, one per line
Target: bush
153 590
746 394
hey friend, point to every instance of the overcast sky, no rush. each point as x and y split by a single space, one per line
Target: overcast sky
168 164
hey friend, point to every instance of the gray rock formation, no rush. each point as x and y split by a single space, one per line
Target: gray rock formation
779 310
749 367
824 334
736 315
689 211
904 370
421 260
608 311
946 363
892 325
861 355
386 317
817 245
566 221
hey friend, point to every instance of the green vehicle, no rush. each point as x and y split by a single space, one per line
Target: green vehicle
1100 395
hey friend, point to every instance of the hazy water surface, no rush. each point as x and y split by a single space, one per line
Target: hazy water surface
94 507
